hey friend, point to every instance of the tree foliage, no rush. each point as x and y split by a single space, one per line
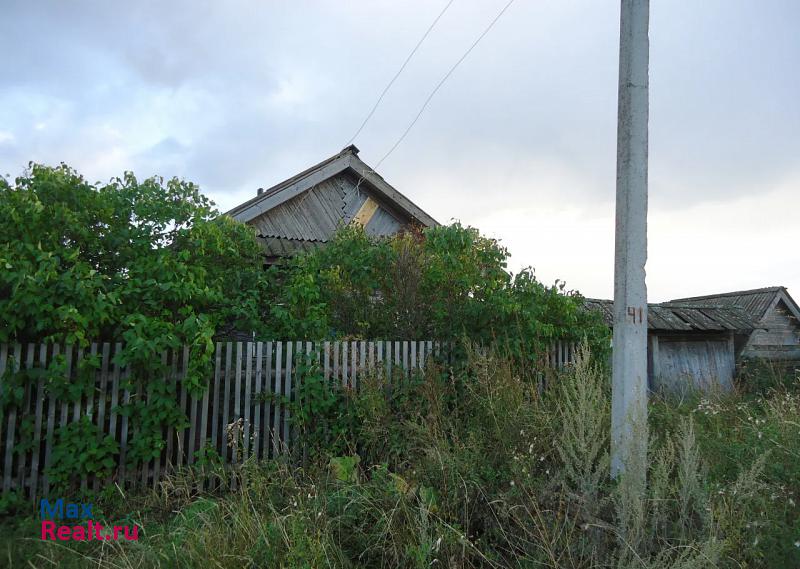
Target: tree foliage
147 262
152 264
444 283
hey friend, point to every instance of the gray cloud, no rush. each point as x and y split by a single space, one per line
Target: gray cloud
242 94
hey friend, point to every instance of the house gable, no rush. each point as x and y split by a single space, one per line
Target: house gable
309 207
776 318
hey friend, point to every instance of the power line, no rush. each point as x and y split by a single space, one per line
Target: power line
399 71
443 80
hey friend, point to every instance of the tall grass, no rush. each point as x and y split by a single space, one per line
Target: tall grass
480 469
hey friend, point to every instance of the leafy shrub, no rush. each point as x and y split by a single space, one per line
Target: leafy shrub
447 282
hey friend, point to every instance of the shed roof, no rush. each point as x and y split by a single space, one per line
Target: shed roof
756 302
678 317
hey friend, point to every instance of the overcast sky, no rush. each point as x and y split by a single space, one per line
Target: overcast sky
519 142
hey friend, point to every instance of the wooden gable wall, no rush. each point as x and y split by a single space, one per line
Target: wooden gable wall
779 336
315 214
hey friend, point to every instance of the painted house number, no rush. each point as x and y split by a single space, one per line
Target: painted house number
633 311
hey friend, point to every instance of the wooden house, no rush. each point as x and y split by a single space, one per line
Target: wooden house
689 346
775 334
303 212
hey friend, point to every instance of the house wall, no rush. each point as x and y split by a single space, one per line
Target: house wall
779 339
682 361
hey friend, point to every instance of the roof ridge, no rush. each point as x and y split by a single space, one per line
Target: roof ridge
732 293
274 189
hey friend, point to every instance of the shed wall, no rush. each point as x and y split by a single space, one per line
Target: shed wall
779 337
681 363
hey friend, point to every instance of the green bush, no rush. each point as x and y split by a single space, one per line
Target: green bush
442 283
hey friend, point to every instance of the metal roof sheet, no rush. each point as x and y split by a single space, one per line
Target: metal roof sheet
681 317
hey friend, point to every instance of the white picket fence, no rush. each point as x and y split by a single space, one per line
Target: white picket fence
245 401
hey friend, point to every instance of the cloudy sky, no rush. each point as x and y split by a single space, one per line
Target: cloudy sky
520 141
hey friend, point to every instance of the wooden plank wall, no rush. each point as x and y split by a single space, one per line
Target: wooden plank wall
242 414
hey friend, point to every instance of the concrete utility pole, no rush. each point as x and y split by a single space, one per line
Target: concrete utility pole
629 361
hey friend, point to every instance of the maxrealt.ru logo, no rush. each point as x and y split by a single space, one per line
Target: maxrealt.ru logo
68 521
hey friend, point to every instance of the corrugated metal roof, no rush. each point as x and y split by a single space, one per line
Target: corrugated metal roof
756 302
280 247
679 317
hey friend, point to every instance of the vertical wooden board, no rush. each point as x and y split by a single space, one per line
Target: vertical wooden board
203 438
248 385
371 356
226 399
379 362
215 398
11 428
90 405
428 350
25 412
388 364
267 403
183 395
362 357
68 351
309 361
326 360
237 410
51 424
76 407
413 350
102 391
37 428
345 370
102 394
405 359
123 429
354 364
288 394
276 414
398 364
114 402
259 394
336 377
171 378
191 446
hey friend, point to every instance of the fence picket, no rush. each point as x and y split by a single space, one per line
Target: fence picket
247 387
267 403
25 412
326 366
288 394
123 430
112 419
51 423
215 400
226 399
11 429
191 444
37 429
276 415
258 393
102 393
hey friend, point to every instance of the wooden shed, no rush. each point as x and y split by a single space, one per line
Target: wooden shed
775 334
304 212
689 346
